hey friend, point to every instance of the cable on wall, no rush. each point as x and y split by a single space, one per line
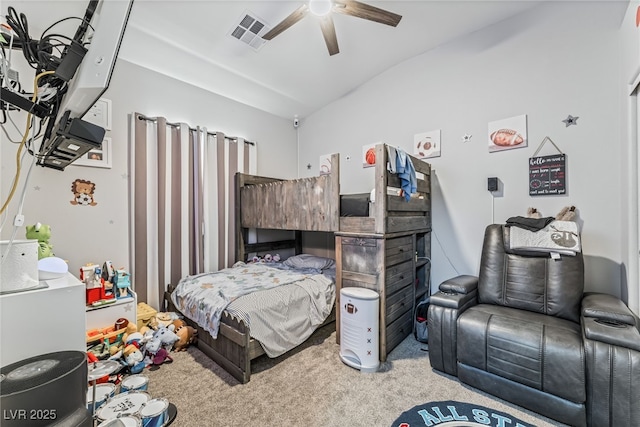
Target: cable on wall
445 252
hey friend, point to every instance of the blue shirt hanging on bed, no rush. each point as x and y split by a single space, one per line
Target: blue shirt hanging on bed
403 167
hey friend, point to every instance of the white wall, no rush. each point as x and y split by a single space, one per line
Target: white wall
556 60
84 234
629 75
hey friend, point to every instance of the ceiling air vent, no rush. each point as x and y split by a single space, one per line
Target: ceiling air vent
249 30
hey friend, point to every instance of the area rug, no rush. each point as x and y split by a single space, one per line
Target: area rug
451 413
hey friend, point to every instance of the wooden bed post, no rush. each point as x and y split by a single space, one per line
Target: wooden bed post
239 231
380 205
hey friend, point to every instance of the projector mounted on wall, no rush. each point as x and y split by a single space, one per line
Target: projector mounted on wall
79 77
73 138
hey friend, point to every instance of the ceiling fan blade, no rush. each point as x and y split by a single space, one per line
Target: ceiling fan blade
365 11
329 33
287 22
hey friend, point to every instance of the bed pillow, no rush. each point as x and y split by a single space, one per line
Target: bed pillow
309 261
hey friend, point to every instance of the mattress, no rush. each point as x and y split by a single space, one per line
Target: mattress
281 306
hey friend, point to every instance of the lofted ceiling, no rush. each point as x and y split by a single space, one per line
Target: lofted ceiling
293 74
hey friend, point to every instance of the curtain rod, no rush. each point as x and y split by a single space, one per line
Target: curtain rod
175 125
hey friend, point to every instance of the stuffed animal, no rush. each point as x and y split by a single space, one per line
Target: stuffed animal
164 319
533 213
188 335
266 258
41 233
134 358
568 213
132 328
162 338
160 357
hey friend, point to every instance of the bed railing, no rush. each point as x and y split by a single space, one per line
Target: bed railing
313 204
306 204
392 213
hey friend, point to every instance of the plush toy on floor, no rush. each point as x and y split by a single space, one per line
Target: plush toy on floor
41 233
134 358
161 357
163 338
188 335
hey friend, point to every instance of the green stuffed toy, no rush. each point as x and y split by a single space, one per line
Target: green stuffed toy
41 233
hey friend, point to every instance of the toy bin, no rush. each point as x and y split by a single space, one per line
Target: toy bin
145 314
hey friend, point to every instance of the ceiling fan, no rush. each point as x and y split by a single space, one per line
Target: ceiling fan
324 10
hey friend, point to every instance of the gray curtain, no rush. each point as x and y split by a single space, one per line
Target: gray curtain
182 202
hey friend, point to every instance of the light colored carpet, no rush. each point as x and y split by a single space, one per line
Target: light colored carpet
311 387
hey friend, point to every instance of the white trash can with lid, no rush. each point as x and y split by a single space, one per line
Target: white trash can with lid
359 326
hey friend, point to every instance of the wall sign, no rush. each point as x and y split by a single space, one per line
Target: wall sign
548 174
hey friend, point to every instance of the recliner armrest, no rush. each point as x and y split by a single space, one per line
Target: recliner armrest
462 284
458 293
607 319
607 309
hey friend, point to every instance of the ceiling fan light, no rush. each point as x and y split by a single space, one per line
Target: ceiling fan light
320 7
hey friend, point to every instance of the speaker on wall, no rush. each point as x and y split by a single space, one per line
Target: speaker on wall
45 390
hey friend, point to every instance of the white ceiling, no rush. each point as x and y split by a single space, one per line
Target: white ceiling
292 74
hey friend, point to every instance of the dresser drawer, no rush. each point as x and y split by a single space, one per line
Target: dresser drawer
398 303
361 254
398 249
398 277
399 330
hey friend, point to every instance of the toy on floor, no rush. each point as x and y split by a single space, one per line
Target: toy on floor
160 357
163 319
41 233
188 335
568 213
130 329
162 339
134 359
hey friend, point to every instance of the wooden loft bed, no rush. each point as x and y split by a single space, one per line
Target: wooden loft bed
375 245
307 204
314 204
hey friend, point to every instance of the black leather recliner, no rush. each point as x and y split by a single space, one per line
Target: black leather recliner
523 330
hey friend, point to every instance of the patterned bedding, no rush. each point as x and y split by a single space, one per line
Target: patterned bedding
282 306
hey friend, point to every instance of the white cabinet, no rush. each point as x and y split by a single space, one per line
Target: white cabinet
106 315
43 320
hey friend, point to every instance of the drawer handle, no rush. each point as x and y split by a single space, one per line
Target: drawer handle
402 277
401 249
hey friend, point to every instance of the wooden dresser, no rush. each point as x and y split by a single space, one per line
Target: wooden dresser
396 266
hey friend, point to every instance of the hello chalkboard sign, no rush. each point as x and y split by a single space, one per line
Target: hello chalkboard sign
548 174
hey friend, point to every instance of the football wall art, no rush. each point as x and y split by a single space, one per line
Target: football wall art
369 155
507 134
427 144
